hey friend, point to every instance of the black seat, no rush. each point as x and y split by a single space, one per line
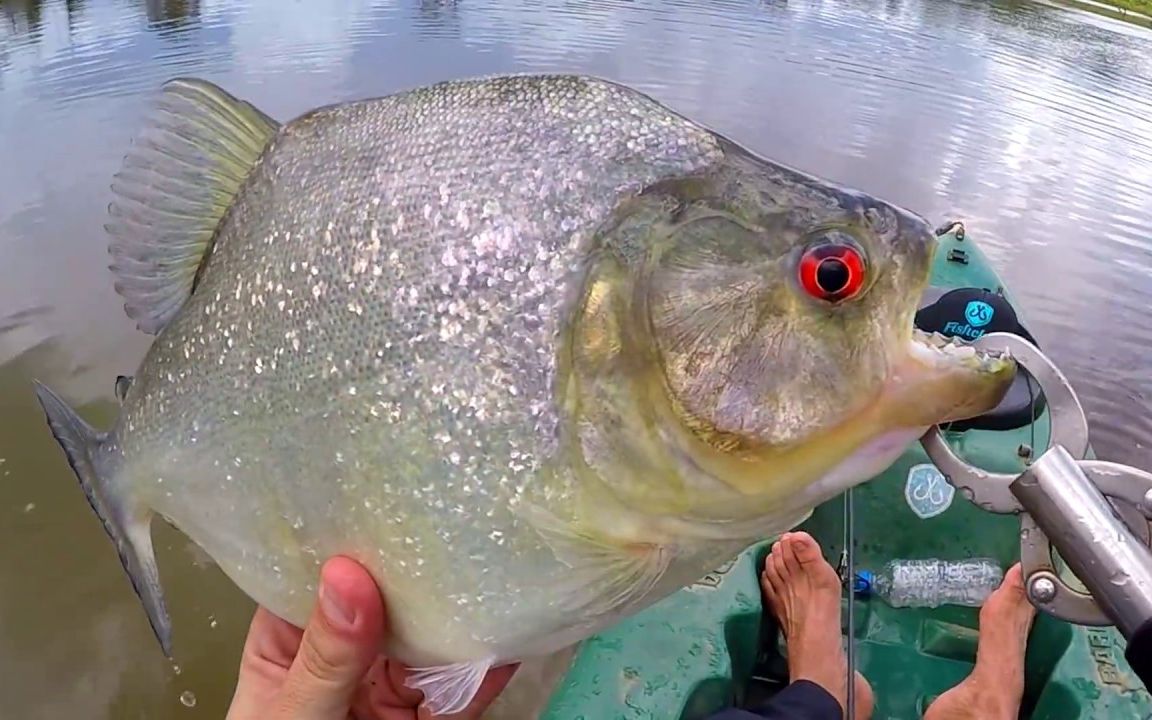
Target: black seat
968 313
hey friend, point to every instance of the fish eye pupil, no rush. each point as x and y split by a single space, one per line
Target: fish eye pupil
832 275
832 272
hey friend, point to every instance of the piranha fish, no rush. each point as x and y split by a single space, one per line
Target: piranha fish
537 351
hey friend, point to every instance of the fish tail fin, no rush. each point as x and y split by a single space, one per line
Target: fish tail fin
127 524
173 190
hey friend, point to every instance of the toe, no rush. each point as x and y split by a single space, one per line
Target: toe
1010 592
788 556
1014 578
804 548
774 557
765 582
766 585
772 569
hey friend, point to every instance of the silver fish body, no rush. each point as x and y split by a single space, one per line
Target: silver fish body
431 332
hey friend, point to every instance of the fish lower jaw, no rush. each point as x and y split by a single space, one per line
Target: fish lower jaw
934 349
941 380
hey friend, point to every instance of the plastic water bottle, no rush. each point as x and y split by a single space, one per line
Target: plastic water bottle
932 582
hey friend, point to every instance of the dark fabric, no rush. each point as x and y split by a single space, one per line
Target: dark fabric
801 700
1139 653
969 313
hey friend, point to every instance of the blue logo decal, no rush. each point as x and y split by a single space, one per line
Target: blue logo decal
978 313
927 492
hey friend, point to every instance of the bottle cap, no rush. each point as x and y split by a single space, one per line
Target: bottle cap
863 582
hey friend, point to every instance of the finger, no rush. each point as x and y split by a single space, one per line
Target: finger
272 641
268 651
339 645
382 694
397 685
494 684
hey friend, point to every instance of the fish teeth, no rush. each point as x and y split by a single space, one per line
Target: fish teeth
958 347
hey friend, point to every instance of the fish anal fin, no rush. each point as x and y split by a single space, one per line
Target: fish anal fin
128 526
174 187
449 689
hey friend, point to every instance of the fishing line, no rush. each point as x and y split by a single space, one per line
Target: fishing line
850 573
1032 425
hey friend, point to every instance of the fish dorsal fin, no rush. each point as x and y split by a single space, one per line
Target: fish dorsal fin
173 189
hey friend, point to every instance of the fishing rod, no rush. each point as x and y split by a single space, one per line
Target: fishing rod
849 556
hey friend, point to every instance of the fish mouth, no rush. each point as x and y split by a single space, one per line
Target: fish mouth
947 351
950 379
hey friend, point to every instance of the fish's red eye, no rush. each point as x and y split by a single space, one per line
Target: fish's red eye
832 272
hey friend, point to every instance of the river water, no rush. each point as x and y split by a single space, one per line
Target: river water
1031 122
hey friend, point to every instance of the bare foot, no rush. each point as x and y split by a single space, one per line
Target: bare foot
803 591
995 687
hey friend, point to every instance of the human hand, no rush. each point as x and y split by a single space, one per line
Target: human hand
332 670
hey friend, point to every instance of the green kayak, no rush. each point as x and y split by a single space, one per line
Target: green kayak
710 646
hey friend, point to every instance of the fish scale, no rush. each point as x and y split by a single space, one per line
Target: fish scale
414 330
392 329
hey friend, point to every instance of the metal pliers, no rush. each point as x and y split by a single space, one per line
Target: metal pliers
1096 514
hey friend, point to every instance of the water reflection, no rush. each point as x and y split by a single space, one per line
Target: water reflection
1030 122
171 13
21 16
436 17
25 18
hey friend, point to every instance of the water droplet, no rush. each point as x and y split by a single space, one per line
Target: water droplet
176 669
1147 503
188 699
29 507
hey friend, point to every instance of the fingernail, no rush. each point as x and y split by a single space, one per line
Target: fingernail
335 609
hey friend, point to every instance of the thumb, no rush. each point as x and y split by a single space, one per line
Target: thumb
340 643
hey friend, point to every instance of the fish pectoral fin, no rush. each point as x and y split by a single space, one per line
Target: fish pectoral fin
606 573
173 189
449 689
127 525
